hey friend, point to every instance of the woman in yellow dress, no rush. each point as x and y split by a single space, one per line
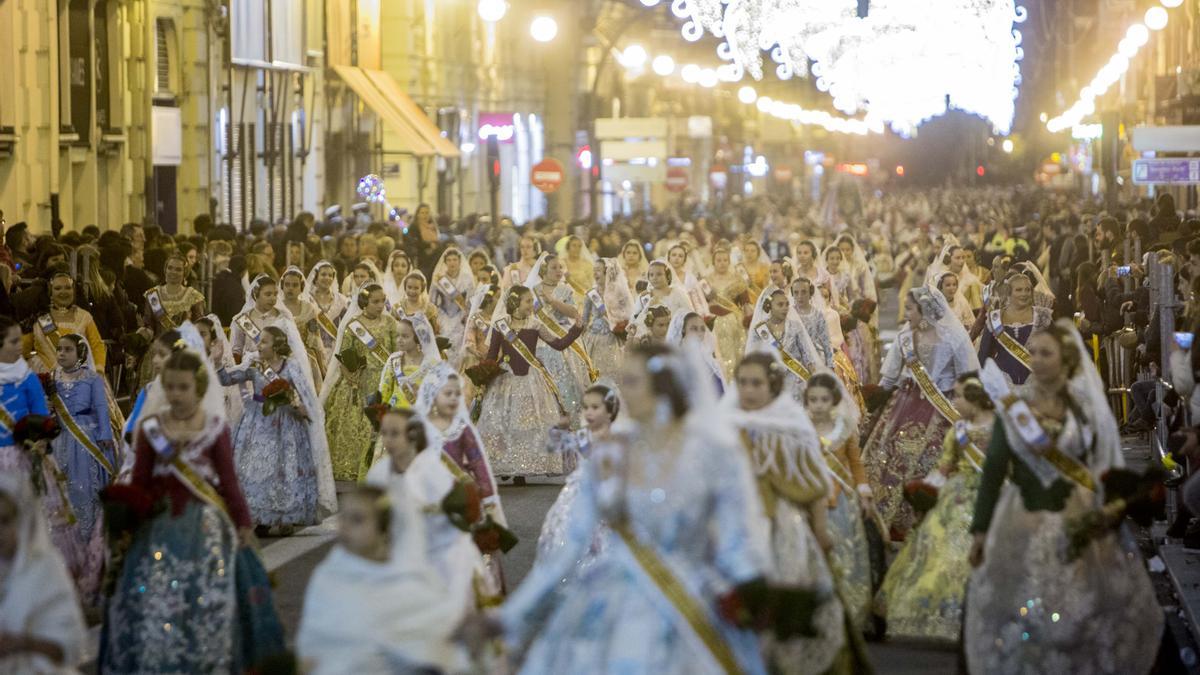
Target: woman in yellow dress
756 267
579 263
67 318
366 339
304 313
168 305
633 263
924 591
415 356
728 298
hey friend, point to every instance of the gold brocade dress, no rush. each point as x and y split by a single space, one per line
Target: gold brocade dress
310 335
729 294
349 430
925 588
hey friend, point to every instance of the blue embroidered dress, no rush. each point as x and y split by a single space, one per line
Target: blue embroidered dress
694 514
84 395
273 454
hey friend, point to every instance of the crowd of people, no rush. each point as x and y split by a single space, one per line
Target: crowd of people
757 477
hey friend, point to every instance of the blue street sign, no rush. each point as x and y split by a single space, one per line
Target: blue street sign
1168 171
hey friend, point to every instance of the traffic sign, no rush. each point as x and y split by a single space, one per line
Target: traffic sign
677 179
547 175
1166 171
783 174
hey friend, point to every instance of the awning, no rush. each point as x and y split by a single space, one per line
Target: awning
417 133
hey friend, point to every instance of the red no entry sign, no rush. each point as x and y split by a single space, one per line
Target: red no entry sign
547 175
677 179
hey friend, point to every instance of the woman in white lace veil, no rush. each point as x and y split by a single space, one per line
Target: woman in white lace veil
930 352
234 394
38 602
795 338
1021 552
285 321
329 299
350 286
949 281
969 283
402 375
690 328
665 291
784 448
451 292
213 402
684 272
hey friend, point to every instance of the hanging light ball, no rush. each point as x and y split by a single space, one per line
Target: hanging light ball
371 189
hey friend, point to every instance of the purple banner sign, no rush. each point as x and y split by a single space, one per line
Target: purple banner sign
1171 171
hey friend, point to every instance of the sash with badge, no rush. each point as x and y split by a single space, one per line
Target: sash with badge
763 331
1046 461
403 381
154 300
450 292
932 394
49 329
68 420
324 324
251 329
364 336
576 347
510 336
156 436
1006 340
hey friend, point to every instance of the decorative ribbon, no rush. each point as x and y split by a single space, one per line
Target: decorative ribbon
972 453
1018 412
156 307
451 292
576 347
510 336
1010 344
326 325
677 594
50 330
6 419
837 469
793 364
248 326
68 420
364 336
186 473
932 394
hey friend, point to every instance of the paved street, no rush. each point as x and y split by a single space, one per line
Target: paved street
525 507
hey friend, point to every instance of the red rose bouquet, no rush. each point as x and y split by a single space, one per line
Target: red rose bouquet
483 373
48 386
491 536
621 330
921 495
126 508
32 434
276 394
1127 494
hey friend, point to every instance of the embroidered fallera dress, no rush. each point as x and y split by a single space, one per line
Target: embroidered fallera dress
350 434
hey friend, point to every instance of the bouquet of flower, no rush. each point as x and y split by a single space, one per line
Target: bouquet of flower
1127 493
621 330
463 505
483 373
920 494
350 359
48 385
785 611
875 396
491 536
849 322
276 394
375 410
31 434
862 309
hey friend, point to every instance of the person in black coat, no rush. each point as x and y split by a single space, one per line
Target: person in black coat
228 294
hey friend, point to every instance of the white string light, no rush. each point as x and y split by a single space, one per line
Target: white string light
901 63
1136 37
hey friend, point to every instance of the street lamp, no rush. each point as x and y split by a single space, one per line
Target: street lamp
1169 4
1007 145
492 10
747 95
1156 18
543 28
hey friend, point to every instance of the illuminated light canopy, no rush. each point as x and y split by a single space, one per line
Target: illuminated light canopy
1007 145
1171 4
543 28
492 10
747 95
900 63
